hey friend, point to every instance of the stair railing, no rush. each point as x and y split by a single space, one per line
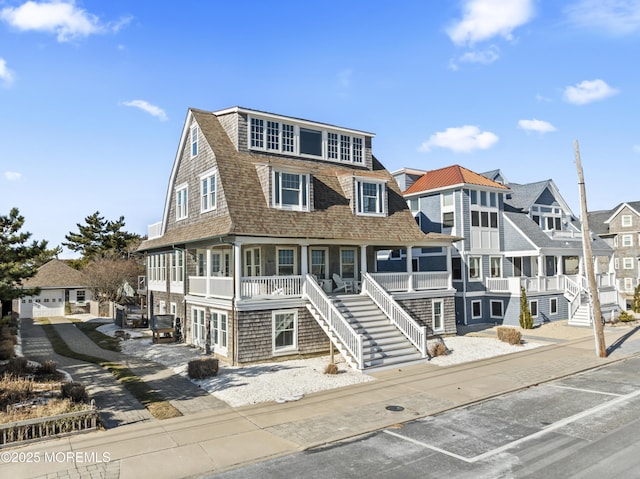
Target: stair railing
408 326
336 322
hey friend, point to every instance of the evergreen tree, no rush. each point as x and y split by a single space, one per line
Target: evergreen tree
99 237
526 320
19 260
635 307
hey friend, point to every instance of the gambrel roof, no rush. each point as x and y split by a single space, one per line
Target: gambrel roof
249 214
56 274
449 177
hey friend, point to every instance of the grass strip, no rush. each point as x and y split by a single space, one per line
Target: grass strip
154 402
102 340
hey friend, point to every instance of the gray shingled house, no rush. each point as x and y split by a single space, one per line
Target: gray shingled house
268 241
62 289
515 235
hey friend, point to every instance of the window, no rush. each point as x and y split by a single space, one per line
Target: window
181 203
81 296
201 263
413 204
332 146
626 220
615 240
173 309
628 284
533 307
616 263
162 307
447 199
357 149
177 266
627 240
219 331
553 306
496 309
370 198
448 219
310 142
198 327
348 263
473 197
291 191
319 263
437 316
286 261
456 269
285 331
156 264
257 133
345 148
220 263
496 266
627 263
476 309
194 140
208 192
474 267
252 262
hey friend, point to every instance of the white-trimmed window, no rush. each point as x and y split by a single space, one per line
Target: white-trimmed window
348 263
287 264
495 266
627 240
533 307
177 266
219 326
285 331
553 306
291 191
626 220
370 197
628 284
201 262
208 191
173 309
81 296
319 262
220 262
476 309
162 307
157 267
252 262
194 140
615 241
437 315
475 272
616 263
198 326
182 202
627 263
497 308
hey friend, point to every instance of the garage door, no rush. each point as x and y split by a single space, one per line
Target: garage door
48 303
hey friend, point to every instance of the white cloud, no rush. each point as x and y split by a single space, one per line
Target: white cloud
588 91
618 17
62 18
12 175
147 107
485 19
6 75
485 57
536 125
460 139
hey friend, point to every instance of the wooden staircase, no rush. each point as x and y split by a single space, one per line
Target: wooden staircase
384 345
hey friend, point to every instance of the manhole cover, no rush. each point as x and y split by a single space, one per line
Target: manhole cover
394 408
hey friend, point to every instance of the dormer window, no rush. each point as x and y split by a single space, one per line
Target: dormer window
288 138
370 197
291 191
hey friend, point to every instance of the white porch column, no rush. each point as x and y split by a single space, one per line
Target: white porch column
363 258
449 270
410 268
207 274
304 258
237 269
541 265
560 266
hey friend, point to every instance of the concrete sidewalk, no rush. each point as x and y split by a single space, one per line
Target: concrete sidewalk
216 440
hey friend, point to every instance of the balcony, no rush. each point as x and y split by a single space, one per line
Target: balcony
542 284
154 230
417 281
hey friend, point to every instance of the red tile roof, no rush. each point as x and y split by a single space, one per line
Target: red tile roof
450 176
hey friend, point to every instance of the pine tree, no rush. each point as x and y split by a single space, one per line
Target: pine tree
526 320
635 307
19 260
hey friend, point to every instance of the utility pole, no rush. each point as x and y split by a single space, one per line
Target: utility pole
601 349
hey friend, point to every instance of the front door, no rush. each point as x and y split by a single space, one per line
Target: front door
252 262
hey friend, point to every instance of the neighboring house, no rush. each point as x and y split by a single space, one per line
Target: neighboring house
270 226
514 236
60 285
620 228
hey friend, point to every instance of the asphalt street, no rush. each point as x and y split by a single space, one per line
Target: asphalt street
582 426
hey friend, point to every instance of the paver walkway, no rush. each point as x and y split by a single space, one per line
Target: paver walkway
117 406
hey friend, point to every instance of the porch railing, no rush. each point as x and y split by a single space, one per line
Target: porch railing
209 286
335 321
257 286
416 333
417 281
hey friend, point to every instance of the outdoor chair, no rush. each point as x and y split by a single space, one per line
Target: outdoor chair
342 285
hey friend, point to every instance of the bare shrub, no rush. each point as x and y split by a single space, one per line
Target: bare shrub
18 366
48 367
331 368
202 368
438 349
509 335
14 389
74 391
6 349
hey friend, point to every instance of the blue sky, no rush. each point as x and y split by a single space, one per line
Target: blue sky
93 94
